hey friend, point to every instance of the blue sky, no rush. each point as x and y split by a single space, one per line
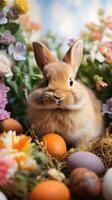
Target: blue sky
67 17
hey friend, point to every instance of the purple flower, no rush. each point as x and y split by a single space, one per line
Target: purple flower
18 51
107 107
3 101
4 114
7 39
3 90
12 13
71 42
3 19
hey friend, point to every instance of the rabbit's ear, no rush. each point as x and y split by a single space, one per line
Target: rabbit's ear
74 55
42 55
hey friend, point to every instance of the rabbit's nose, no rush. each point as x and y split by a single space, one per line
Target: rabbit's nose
58 94
57 97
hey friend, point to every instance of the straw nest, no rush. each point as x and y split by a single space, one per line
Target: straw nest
102 147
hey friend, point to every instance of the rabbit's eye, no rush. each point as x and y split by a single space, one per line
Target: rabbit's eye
71 82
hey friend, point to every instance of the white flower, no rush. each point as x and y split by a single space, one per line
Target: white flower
2 196
29 164
5 65
100 57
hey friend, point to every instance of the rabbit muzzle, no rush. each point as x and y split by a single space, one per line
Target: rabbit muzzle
56 95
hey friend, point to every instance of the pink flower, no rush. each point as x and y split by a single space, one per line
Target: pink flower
109 56
103 48
8 168
97 35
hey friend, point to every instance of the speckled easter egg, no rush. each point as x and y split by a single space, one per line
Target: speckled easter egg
87 160
55 144
85 184
107 185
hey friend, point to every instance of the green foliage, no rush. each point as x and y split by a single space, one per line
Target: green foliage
25 72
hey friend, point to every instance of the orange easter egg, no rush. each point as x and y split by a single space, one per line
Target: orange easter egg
11 124
50 190
55 144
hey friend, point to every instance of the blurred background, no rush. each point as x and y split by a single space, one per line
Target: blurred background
58 24
66 17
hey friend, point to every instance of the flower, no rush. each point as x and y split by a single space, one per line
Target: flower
7 39
8 167
3 89
21 6
71 41
4 114
28 24
3 101
12 13
100 85
3 196
18 142
5 65
19 148
109 56
97 35
107 107
3 3
108 22
103 49
3 19
27 164
18 51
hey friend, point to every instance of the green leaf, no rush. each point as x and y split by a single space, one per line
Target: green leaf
12 27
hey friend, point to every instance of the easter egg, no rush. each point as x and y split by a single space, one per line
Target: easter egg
85 184
55 144
87 160
11 124
50 190
107 185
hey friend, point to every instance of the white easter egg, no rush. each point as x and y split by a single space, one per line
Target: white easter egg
2 196
107 185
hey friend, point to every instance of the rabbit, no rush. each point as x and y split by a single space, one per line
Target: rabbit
62 104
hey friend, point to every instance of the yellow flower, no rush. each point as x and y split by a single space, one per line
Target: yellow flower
21 6
3 3
20 143
19 148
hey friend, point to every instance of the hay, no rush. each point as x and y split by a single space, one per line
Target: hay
102 147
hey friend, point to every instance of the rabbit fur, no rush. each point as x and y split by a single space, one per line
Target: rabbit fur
61 103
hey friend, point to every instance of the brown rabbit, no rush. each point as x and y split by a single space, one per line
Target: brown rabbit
62 104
